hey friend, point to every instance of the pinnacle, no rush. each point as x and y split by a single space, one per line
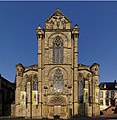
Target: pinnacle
39 27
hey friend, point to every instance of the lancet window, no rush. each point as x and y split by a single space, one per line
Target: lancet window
81 91
80 77
35 90
35 84
58 50
23 93
58 81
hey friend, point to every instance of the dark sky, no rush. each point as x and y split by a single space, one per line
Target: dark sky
97 41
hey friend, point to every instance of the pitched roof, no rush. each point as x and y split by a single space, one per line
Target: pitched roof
108 85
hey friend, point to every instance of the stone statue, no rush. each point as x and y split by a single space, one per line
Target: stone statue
19 70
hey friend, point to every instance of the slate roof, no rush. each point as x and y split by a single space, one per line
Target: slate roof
108 85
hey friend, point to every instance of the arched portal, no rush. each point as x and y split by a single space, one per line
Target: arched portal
57 106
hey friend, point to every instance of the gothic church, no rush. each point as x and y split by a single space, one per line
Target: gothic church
57 85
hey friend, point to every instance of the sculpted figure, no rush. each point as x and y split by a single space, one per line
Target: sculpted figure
95 69
19 70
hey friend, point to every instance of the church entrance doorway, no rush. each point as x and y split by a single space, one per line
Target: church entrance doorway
60 111
57 107
57 110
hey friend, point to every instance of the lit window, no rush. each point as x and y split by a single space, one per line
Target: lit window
104 85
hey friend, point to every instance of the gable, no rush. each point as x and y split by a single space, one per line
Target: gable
58 21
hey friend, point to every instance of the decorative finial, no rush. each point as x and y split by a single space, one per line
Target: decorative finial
57 9
39 28
76 26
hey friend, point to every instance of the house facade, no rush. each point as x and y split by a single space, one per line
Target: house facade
108 95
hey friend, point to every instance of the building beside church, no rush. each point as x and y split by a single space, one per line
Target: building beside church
57 85
7 96
108 96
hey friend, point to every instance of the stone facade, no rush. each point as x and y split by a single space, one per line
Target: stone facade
88 90
52 87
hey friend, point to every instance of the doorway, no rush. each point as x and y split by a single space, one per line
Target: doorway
57 110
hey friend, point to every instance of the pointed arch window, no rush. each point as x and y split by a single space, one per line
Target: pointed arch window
35 90
81 91
23 93
58 50
58 81
80 77
35 84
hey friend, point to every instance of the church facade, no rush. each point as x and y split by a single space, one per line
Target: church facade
57 85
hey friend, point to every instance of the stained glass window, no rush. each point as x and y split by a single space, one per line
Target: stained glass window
58 50
80 78
80 91
35 84
58 81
